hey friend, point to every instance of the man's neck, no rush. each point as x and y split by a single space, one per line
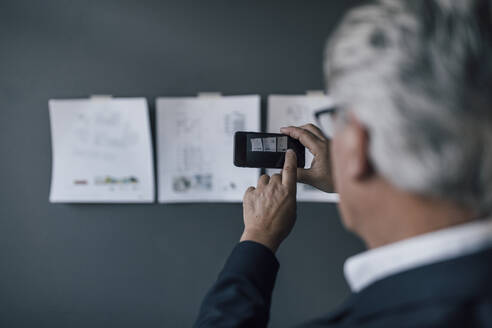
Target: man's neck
400 215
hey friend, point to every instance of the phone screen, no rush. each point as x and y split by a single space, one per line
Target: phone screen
265 150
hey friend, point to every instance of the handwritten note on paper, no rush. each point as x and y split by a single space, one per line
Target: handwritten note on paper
102 151
285 110
195 147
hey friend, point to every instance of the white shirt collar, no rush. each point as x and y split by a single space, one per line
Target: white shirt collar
370 266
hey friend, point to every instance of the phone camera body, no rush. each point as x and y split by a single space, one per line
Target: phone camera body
265 150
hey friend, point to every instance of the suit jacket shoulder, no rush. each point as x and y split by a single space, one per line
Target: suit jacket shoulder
453 293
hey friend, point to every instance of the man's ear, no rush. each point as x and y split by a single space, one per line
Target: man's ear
356 144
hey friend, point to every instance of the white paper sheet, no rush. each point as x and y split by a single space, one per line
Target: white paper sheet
285 110
195 148
102 151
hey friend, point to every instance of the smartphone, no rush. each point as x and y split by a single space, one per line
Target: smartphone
265 150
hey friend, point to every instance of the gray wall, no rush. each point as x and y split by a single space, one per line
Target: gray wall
147 265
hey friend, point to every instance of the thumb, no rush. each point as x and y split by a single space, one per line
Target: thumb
304 175
289 172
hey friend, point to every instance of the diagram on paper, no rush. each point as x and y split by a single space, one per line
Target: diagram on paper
102 151
198 165
297 110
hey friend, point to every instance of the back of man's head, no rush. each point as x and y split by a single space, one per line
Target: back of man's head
418 75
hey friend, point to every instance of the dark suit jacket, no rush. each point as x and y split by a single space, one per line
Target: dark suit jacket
453 293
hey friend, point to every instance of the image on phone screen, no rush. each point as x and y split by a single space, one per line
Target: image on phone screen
265 150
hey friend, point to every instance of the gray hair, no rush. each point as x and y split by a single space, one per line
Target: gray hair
418 75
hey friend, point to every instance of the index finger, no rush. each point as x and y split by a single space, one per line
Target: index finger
289 172
307 138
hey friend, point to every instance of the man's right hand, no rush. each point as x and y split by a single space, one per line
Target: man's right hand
319 175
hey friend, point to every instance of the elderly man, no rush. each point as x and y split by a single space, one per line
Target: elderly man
411 158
